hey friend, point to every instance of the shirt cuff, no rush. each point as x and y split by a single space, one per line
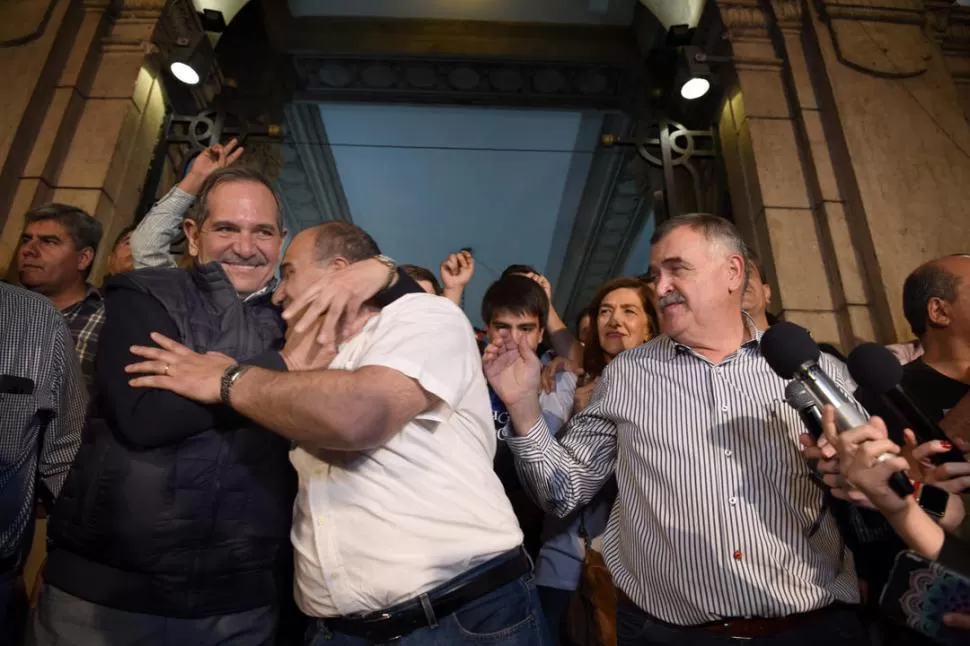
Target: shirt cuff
179 196
533 446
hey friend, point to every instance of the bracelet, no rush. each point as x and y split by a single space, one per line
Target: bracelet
391 269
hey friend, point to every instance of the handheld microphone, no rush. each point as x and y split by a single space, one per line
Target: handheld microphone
792 354
877 370
798 397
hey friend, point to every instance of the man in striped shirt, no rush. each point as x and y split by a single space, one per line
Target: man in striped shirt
42 402
714 535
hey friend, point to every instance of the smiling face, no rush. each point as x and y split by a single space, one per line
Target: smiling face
241 231
698 283
621 321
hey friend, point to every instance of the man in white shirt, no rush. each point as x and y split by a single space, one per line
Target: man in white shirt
401 528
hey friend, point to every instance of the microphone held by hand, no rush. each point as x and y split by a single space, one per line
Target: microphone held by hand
792 354
878 371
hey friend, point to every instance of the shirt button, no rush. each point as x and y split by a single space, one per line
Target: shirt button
320 522
733 500
724 409
738 555
728 452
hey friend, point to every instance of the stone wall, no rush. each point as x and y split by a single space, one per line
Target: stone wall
80 113
848 153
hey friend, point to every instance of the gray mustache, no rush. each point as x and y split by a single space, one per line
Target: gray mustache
673 298
231 258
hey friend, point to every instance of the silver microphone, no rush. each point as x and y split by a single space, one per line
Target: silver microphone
792 354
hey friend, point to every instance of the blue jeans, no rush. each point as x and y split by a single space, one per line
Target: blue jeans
555 606
508 616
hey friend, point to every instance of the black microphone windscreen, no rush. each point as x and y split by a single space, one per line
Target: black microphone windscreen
875 368
786 347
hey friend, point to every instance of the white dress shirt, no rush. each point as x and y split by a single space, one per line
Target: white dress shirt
379 527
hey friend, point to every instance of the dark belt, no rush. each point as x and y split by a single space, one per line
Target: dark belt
753 627
431 607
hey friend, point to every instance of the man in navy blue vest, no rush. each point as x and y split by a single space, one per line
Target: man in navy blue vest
173 525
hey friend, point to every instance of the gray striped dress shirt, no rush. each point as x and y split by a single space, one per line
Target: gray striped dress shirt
715 499
40 432
152 238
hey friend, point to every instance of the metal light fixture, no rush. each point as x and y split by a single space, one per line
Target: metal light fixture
693 75
191 58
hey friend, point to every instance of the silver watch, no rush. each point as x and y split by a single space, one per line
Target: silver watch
230 377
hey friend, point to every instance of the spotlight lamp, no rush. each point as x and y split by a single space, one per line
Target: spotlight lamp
191 59
694 75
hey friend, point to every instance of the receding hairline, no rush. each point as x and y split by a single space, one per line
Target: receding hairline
714 229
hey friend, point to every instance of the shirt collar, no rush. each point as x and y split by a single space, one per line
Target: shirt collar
91 294
268 288
667 349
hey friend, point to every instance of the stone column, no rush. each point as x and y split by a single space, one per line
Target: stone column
869 137
93 119
903 157
779 183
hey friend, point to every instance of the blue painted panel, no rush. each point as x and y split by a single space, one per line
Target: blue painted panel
425 181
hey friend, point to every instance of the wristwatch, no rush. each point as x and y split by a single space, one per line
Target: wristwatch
932 500
229 377
391 269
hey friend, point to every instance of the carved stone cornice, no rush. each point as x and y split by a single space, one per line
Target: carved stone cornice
140 5
461 81
749 24
892 11
788 13
752 18
744 18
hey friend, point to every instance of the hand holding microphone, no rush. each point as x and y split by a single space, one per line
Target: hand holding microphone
792 354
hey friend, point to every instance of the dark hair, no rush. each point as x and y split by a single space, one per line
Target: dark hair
339 238
928 281
200 211
714 228
518 295
121 236
594 358
755 263
513 270
85 231
420 273
579 318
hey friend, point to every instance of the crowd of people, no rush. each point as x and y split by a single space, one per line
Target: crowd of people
252 447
